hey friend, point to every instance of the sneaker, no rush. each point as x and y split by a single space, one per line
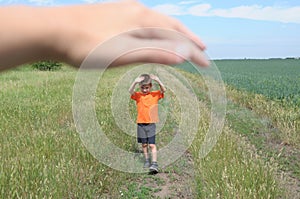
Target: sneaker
147 164
154 167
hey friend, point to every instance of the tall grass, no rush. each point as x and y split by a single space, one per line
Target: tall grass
41 152
232 169
285 118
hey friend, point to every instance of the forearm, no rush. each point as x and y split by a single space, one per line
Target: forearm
162 86
27 35
131 89
66 33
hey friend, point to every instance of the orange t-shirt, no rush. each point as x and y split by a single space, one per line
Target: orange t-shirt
147 106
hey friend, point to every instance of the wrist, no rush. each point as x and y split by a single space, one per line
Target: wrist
158 81
61 35
44 31
55 33
76 27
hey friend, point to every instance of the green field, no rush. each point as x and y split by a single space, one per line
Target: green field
256 156
277 79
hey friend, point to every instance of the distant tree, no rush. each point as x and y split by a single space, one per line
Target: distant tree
47 65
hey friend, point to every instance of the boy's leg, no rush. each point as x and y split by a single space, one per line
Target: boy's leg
146 154
154 165
151 140
152 145
142 138
153 151
145 151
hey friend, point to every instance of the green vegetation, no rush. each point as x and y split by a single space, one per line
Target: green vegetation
277 79
47 65
42 154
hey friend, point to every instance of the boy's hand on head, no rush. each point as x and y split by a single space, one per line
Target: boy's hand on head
154 77
139 79
136 81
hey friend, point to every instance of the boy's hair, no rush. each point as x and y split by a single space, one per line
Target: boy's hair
147 79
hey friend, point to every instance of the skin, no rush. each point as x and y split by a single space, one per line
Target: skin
31 34
161 85
134 83
153 150
145 89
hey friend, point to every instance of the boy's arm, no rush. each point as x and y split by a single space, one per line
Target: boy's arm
131 89
161 85
135 82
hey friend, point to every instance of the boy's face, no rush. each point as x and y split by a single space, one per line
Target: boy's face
145 89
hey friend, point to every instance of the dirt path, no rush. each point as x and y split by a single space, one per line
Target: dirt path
178 179
174 181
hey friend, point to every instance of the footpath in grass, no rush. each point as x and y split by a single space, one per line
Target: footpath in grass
174 181
266 140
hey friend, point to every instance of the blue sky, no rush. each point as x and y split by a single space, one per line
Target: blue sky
230 29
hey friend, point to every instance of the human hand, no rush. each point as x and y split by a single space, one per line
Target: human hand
99 23
154 77
139 79
81 28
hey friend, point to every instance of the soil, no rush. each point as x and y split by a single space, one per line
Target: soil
175 181
178 184
285 153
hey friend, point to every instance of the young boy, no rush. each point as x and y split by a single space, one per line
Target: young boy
147 108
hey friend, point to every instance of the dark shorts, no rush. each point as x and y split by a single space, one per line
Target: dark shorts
146 133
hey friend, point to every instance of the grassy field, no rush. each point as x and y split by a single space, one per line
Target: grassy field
42 155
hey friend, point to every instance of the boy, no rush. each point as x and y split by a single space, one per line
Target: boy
147 108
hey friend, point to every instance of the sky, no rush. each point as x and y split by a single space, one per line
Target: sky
231 29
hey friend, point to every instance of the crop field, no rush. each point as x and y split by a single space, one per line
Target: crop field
277 79
256 156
